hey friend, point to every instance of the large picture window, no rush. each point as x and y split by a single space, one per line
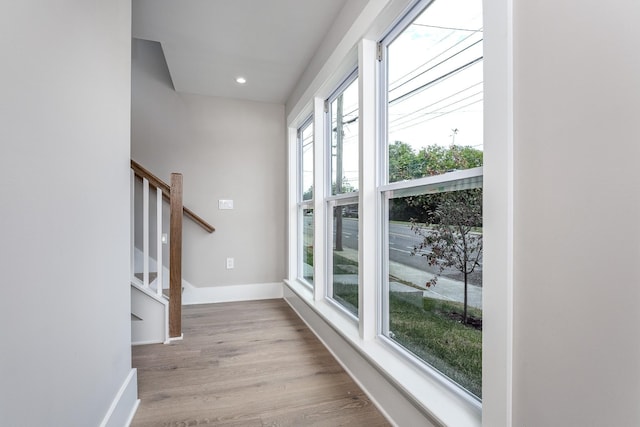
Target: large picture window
342 113
432 188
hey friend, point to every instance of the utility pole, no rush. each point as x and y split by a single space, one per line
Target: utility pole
454 132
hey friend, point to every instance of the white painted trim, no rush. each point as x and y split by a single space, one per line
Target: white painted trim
497 336
382 389
320 250
125 403
393 381
292 217
368 233
230 293
335 67
151 294
172 339
159 243
145 231
137 343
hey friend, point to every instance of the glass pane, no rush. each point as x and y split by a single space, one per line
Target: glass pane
345 256
344 141
435 281
307 245
435 92
306 147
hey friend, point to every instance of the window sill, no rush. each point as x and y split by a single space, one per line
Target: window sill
431 393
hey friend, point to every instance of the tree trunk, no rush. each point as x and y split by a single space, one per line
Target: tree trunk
465 298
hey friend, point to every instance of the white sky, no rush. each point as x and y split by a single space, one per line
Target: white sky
446 36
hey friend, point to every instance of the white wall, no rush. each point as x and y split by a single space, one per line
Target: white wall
577 213
64 221
225 149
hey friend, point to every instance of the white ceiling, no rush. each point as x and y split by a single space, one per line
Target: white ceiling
208 43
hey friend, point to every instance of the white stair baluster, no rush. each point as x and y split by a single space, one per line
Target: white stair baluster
133 222
145 232
159 241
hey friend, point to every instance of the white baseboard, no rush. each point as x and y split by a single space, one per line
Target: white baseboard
124 404
230 293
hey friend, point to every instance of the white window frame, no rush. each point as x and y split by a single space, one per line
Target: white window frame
303 205
333 201
385 192
498 224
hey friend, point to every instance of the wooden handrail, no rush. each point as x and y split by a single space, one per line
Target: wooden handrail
141 172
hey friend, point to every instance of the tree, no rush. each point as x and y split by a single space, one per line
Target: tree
452 241
405 164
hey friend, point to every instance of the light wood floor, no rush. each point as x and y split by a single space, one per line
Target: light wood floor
246 364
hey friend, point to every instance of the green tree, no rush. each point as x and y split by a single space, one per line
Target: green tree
405 164
452 241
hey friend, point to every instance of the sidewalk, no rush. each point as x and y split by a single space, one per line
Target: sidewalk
444 289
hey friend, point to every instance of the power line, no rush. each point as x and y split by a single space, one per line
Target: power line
433 58
434 81
438 101
448 28
436 117
436 65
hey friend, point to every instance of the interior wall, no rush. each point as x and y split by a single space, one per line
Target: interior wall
225 149
577 210
64 221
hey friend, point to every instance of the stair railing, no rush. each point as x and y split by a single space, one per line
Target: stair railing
173 194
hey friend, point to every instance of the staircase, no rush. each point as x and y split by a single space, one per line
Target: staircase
156 317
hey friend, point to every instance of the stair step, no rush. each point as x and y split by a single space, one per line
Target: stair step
152 276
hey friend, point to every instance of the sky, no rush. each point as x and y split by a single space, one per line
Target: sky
434 85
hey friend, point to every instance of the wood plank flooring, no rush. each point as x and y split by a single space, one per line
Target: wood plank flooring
246 364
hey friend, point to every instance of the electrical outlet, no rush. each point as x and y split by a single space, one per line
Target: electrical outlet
229 263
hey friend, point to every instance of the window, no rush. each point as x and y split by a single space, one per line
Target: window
343 121
342 114
432 188
305 201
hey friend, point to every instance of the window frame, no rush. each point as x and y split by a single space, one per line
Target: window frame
344 85
384 192
301 203
331 200
428 396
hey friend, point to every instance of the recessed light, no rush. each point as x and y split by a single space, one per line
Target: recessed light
241 80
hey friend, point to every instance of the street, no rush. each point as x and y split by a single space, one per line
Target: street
401 242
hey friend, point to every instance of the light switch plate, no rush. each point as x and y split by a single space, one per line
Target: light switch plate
225 204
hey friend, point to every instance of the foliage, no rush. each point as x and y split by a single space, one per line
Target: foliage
308 195
406 164
347 187
451 241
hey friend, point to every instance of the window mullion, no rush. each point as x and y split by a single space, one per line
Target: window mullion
368 236
320 190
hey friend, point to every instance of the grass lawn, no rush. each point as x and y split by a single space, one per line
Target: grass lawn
429 328
433 332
